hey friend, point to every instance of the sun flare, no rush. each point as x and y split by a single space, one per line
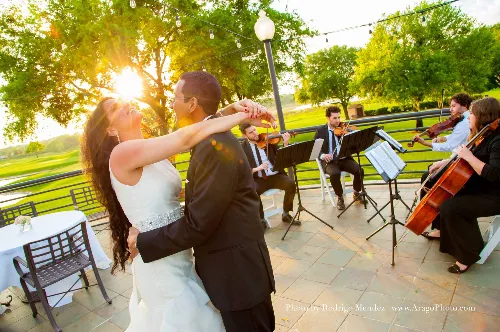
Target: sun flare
128 84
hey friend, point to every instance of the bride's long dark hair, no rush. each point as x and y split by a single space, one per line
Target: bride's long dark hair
96 149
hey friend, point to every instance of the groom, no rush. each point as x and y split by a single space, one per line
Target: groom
221 219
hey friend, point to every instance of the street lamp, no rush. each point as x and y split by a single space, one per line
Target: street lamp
264 29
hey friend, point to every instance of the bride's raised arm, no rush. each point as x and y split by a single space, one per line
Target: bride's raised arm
149 151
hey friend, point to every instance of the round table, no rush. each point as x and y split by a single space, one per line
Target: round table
12 241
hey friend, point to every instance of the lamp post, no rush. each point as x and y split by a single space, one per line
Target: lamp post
264 29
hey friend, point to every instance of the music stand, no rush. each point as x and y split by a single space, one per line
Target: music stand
396 146
291 156
389 178
354 143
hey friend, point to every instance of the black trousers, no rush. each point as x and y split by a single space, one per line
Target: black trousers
428 185
336 167
256 319
278 181
460 234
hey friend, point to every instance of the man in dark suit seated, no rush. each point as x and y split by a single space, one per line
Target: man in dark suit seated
262 169
334 166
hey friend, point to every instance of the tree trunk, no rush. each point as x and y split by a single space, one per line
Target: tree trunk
346 112
160 112
416 107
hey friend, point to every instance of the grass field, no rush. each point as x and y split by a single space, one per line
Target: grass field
31 167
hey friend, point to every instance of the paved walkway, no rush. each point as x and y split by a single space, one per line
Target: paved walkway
327 280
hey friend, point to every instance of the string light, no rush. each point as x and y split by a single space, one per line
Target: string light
178 21
423 19
238 45
204 69
211 34
133 4
326 39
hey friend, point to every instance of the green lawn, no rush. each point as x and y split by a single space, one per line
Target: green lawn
50 164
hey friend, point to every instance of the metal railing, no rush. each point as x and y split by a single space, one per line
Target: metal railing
64 198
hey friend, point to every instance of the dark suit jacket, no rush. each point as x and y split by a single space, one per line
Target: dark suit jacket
273 148
221 222
322 132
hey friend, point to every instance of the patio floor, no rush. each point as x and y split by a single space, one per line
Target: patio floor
327 280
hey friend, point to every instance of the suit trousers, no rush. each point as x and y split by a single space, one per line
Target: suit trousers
278 181
336 167
256 319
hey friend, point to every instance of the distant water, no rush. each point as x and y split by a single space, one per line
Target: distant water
17 196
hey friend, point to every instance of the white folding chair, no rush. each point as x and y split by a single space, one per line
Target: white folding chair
325 184
272 209
491 239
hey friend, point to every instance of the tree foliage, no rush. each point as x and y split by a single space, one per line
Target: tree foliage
407 60
328 74
60 57
495 77
34 147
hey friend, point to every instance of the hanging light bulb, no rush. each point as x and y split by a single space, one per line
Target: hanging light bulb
326 39
178 21
238 45
370 31
204 69
133 4
423 19
260 51
211 34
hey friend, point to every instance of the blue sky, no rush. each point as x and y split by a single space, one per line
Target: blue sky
322 15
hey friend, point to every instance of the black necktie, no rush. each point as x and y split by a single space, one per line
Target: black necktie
259 160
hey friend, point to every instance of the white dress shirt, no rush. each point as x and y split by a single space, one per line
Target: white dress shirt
457 137
330 148
263 157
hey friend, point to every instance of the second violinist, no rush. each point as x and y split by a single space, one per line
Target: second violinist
261 159
334 166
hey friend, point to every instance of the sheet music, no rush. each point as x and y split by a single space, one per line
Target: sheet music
385 136
385 160
318 143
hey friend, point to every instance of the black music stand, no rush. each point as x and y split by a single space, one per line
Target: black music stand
393 221
396 195
354 143
291 156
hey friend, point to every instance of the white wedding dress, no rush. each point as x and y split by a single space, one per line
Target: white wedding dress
167 294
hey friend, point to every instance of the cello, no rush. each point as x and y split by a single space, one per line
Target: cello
455 175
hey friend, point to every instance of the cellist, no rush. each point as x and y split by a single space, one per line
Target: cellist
458 229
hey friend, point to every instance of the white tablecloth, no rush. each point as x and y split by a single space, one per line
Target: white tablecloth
12 241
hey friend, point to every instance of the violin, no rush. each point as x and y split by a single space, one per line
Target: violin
344 128
456 174
438 128
272 138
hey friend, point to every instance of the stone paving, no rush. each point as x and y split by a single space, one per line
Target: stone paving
326 280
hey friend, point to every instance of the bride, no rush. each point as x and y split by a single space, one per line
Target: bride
138 186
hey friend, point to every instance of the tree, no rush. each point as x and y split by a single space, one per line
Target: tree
328 74
59 57
34 147
407 60
495 77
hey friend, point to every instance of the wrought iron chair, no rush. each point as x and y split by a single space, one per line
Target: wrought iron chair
53 259
8 215
85 199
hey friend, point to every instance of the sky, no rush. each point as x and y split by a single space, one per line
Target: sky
322 15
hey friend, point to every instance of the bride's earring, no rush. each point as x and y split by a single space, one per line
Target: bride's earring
118 137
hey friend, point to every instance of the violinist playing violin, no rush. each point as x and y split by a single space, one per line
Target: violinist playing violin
457 227
334 166
459 104
261 160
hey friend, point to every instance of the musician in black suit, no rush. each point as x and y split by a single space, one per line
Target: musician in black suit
334 166
221 218
265 178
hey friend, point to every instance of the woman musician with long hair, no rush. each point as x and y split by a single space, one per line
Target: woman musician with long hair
457 226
